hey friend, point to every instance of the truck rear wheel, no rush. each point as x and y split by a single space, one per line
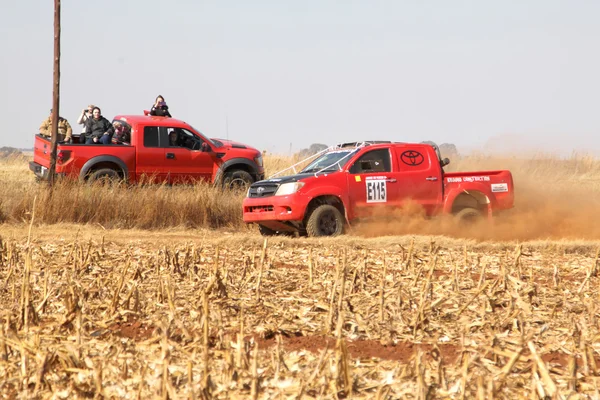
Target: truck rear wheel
237 180
105 175
468 216
325 220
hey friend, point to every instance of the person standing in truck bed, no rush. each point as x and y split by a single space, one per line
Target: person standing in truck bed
86 114
64 129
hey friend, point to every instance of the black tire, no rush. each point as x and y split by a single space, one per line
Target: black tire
468 216
105 175
325 220
237 179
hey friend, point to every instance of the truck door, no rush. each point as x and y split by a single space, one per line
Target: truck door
419 176
149 155
184 158
369 181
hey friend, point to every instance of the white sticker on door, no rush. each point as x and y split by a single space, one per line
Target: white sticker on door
499 187
376 191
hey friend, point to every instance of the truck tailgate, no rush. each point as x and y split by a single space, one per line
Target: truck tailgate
41 151
498 184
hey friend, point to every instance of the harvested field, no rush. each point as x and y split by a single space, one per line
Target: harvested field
170 296
188 315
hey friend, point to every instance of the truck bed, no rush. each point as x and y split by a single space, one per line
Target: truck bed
499 184
71 158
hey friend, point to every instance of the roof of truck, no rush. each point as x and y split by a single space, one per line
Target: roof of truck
145 119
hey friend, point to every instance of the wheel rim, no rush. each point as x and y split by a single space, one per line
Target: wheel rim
328 224
237 184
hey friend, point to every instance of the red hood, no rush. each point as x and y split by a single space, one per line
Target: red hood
234 144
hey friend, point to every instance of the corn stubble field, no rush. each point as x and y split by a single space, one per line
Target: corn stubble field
192 304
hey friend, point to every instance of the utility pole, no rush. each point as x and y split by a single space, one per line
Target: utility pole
55 94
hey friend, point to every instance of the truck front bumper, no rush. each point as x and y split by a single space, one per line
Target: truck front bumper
275 212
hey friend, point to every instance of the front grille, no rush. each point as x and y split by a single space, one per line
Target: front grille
263 190
259 209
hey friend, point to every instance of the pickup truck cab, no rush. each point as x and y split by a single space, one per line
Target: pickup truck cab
151 156
353 181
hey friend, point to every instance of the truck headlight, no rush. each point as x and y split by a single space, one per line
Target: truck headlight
289 188
259 160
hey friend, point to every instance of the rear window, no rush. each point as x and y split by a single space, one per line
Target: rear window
151 136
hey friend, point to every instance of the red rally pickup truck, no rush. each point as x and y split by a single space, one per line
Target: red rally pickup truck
350 181
150 155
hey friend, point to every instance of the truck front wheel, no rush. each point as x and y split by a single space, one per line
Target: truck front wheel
237 179
325 220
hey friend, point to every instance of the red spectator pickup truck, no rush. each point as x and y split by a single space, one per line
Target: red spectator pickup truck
151 155
349 182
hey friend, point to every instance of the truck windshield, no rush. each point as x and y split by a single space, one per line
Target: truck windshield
331 161
214 142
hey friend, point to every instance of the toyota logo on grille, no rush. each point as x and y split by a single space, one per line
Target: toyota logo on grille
260 190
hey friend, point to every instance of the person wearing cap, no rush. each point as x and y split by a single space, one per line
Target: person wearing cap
64 129
86 113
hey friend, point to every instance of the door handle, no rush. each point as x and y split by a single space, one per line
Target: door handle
171 156
431 178
392 180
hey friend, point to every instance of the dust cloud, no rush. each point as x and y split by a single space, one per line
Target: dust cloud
554 199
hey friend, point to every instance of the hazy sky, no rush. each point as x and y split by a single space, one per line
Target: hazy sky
275 73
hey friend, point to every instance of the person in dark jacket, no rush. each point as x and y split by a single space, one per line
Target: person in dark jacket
98 129
160 108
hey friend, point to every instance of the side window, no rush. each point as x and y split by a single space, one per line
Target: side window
151 136
372 161
179 137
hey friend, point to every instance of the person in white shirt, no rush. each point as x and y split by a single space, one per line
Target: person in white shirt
86 113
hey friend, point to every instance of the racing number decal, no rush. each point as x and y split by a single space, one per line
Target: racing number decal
376 191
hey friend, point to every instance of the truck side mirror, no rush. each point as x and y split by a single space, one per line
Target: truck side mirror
205 147
445 162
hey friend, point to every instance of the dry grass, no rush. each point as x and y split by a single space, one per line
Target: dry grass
140 207
144 207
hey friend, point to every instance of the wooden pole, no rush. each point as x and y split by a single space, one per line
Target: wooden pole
55 93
